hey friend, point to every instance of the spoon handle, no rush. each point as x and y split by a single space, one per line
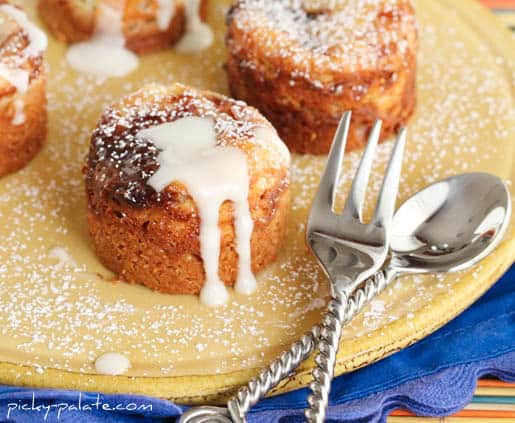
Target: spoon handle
289 360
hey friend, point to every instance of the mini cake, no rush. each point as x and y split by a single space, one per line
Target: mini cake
187 191
146 25
303 63
22 89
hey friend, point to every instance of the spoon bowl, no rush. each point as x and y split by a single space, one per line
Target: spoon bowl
450 225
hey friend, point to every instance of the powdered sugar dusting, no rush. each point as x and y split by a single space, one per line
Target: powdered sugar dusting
333 36
65 317
121 163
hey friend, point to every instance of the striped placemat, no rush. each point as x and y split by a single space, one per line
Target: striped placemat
504 9
494 401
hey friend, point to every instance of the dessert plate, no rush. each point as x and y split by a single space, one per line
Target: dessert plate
60 309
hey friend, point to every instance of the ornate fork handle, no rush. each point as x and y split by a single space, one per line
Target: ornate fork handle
285 364
328 344
289 360
248 396
340 311
270 377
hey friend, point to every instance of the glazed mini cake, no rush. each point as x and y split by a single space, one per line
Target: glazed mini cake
22 89
147 25
303 63
187 191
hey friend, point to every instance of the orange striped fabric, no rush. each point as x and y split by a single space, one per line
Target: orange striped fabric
494 383
466 413
499 4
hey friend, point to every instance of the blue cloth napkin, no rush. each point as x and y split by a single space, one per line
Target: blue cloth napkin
434 377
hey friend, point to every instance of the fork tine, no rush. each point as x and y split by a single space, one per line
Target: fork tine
354 206
386 204
329 181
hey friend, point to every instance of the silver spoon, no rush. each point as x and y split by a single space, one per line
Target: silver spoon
447 227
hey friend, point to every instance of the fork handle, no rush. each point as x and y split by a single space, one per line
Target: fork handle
271 376
288 361
340 311
328 344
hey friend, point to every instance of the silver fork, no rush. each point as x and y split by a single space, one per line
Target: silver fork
349 250
288 361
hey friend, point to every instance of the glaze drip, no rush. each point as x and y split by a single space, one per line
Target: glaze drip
105 53
199 35
121 163
165 13
212 174
112 364
12 70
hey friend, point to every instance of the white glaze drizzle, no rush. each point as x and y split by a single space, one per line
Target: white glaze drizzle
212 174
19 112
37 38
199 35
17 77
105 53
165 12
318 5
112 363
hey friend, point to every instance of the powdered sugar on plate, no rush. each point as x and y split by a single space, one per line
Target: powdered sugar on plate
65 316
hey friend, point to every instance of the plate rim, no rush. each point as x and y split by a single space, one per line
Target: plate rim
195 389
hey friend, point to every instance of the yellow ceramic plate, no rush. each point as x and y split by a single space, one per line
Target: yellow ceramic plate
60 309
